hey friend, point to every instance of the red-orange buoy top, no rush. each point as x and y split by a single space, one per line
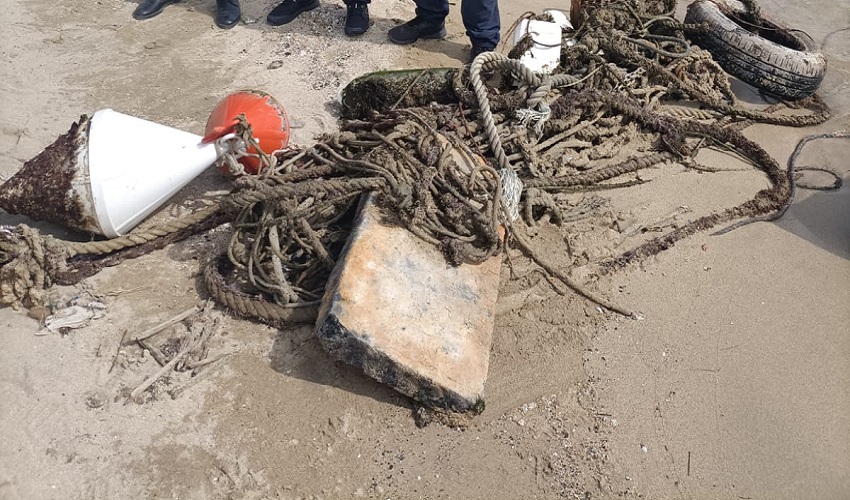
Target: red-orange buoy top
264 113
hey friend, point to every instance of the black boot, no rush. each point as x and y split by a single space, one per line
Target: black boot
149 8
228 13
477 50
288 10
356 17
417 28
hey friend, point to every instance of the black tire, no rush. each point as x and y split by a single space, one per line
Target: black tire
788 64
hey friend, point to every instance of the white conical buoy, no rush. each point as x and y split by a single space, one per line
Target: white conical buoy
107 173
136 165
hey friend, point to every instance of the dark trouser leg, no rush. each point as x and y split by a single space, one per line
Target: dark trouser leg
432 12
481 20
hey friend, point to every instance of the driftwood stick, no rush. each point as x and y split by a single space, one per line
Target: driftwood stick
150 332
134 396
194 365
117 352
211 367
155 352
199 333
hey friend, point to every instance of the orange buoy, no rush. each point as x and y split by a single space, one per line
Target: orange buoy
264 113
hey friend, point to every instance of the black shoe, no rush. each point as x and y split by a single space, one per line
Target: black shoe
228 13
477 51
289 10
149 8
415 29
356 18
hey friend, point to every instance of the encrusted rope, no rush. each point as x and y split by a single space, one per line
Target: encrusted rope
628 78
32 262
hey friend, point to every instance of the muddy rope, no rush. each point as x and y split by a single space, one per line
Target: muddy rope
291 222
794 184
629 78
628 61
31 262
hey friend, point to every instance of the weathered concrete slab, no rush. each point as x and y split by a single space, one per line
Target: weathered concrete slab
397 310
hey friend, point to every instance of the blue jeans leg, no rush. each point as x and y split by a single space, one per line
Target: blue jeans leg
482 23
432 11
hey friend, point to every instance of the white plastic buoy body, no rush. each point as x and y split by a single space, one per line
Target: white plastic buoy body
545 52
135 166
560 18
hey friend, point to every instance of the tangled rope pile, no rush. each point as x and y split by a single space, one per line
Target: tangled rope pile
292 220
628 78
542 135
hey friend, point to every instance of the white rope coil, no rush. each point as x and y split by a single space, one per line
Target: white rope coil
534 118
511 192
229 148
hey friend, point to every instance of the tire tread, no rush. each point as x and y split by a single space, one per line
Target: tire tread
767 65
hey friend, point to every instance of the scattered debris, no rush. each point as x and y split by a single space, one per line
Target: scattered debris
150 332
66 319
192 353
77 313
630 93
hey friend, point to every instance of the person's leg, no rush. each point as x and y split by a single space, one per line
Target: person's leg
432 12
356 17
482 23
430 22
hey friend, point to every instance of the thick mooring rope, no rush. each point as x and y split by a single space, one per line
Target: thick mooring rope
628 59
32 262
291 223
628 77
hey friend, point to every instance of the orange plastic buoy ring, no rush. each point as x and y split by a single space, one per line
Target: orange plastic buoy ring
267 118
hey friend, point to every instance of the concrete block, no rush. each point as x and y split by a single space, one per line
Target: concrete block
394 308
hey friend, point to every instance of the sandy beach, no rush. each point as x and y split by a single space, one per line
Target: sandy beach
734 384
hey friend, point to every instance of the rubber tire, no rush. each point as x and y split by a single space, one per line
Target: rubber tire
787 72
